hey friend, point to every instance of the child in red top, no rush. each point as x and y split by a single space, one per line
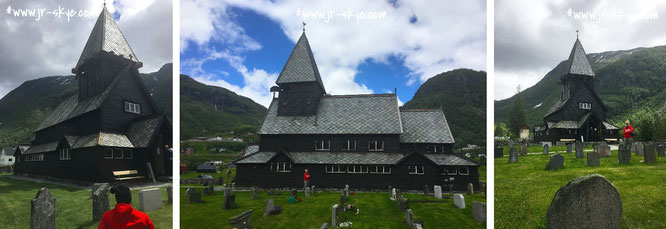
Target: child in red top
306 178
628 131
123 215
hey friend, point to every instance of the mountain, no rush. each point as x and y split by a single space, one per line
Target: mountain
24 108
627 81
461 94
207 110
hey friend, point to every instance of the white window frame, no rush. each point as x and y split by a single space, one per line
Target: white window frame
374 145
131 154
416 169
357 169
350 145
132 107
281 167
320 146
380 169
461 169
584 106
336 169
117 150
108 154
65 154
433 150
449 169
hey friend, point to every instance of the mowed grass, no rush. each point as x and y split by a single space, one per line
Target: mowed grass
524 190
73 205
377 210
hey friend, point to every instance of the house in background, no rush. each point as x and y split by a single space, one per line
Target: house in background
110 127
365 141
7 156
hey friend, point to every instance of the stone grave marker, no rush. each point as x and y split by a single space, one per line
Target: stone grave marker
313 190
633 146
661 149
334 216
307 191
242 221
150 199
426 190
229 200
393 194
569 148
254 193
470 188
624 156
324 226
639 149
43 210
648 154
523 149
193 196
346 190
593 159
294 193
342 198
459 200
390 190
546 147
409 217
100 200
479 211
513 155
268 206
170 194
604 150
579 150
556 162
589 201
499 152
220 181
438 192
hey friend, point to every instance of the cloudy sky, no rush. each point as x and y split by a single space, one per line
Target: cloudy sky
39 46
532 37
363 47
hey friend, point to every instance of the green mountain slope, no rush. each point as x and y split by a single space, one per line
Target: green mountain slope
24 108
462 95
207 110
627 81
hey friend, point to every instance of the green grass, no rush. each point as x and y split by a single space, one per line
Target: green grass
524 190
73 205
376 211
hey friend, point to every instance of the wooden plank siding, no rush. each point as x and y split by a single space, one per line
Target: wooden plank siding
306 142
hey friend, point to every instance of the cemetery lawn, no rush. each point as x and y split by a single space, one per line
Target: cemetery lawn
524 190
73 205
376 211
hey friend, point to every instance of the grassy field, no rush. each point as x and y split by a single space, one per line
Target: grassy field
376 211
73 206
524 190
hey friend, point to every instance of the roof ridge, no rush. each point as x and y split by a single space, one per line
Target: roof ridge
359 95
106 36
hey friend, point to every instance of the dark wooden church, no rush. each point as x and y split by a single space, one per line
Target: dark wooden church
111 129
579 113
365 141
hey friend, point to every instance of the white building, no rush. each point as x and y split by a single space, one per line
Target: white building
7 156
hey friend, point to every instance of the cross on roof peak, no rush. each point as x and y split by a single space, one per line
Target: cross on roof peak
304 26
576 34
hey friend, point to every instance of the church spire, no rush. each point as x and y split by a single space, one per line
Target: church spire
106 36
301 66
577 63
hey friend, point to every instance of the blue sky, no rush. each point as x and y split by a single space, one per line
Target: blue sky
243 45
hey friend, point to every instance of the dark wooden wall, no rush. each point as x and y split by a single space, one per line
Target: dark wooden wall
306 143
299 99
570 111
129 88
423 148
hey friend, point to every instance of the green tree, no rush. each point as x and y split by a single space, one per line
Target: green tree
517 114
501 130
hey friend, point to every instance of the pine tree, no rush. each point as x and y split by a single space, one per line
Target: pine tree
517 114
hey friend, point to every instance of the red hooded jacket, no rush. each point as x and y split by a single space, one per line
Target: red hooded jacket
306 176
627 131
124 216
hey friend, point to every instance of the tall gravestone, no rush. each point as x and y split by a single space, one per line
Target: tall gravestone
268 206
649 155
470 188
438 191
546 149
242 221
409 217
254 193
193 196
426 190
229 200
346 190
312 192
624 156
170 193
150 199
639 148
479 211
569 148
593 159
523 149
334 215
660 149
499 152
307 191
589 201
43 210
579 150
556 162
513 155
100 200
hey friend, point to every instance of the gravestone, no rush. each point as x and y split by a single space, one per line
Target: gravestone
43 210
193 196
334 216
589 201
648 154
639 148
499 152
229 200
660 149
242 221
426 190
342 198
513 155
479 211
399 200
255 194
459 200
624 156
209 190
438 192
313 190
150 199
409 217
346 190
556 162
470 188
170 193
307 191
579 150
324 226
100 200
604 150
268 206
390 190
523 149
512 143
393 194
546 147
593 159
294 193
569 148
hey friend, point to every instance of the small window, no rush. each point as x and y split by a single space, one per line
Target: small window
451 171
380 169
376 145
118 153
65 155
323 145
128 154
281 167
357 169
416 169
584 106
463 171
132 107
10 160
108 154
432 149
335 168
349 145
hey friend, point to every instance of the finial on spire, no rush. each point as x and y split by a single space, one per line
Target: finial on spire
104 2
576 34
304 26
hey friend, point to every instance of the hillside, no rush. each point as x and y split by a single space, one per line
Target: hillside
24 108
627 81
208 110
462 95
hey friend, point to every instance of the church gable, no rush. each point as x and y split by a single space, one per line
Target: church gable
127 101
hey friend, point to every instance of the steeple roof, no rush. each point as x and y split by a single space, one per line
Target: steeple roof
578 63
300 66
106 36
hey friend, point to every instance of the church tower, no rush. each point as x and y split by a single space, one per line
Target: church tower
578 71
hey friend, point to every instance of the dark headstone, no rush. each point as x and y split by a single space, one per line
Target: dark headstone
569 148
579 150
479 211
193 196
268 206
556 162
294 193
100 200
513 155
229 202
390 190
546 147
604 149
43 210
426 190
660 149
649 155
624 156
342 198
220 181
254 194
242 221
499 152
639 148
170 193
523 149
592 159
470 188
589 201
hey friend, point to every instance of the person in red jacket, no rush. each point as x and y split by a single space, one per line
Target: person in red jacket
123 215
628 132
306 178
